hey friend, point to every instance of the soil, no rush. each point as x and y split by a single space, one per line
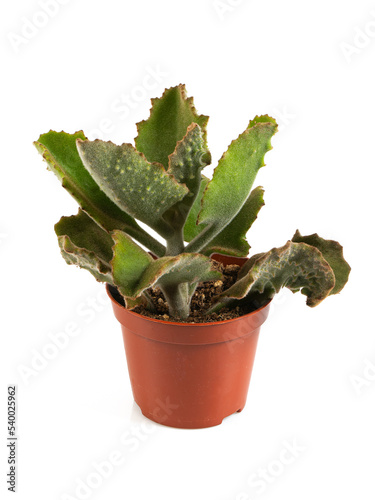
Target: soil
202 300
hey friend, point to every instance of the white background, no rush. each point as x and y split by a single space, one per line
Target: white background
311 65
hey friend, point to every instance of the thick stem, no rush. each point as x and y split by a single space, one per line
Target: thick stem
177 298
176 244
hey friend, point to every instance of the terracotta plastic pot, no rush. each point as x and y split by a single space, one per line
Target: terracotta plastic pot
189 375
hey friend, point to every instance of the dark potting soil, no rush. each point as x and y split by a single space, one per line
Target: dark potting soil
202 300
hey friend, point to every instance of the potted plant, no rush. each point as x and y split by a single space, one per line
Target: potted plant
191 309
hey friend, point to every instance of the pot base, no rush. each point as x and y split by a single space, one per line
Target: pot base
188 425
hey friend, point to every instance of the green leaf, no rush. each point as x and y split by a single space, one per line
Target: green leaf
191 228
142 189
188 268
185 164
59 150
233 178
297 266
332 251
261 119
84 232
232 239
85 260
169 118
84 243
134 270
188 159
129 263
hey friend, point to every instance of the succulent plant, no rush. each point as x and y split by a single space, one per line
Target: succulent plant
159 182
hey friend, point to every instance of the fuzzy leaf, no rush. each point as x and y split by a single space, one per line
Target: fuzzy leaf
188 159
232 239
60 152
134 270
84 243
188 268
233 178
261 119
169 118
144 190
191 228
332 251
297 266
185 164
129 263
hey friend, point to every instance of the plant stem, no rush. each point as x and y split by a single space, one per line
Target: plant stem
175 244
178 300
150 304
177 296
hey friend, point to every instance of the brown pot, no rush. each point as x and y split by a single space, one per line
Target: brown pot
190 375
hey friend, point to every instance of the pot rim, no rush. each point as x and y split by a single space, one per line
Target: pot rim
182 324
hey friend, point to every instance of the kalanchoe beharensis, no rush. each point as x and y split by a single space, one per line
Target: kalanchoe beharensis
160 183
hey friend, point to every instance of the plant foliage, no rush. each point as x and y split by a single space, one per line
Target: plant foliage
159 182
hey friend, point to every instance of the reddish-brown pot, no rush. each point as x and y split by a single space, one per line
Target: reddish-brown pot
190 375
